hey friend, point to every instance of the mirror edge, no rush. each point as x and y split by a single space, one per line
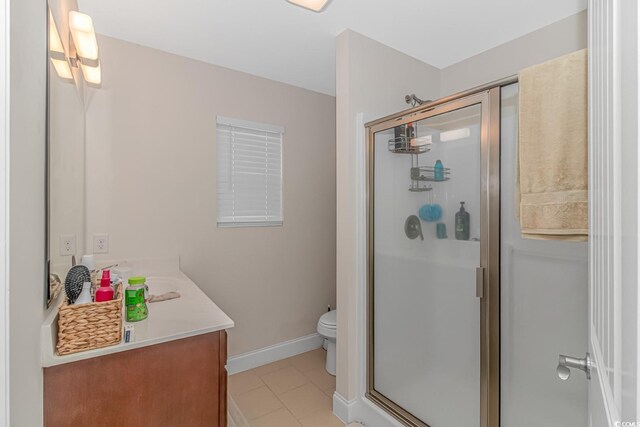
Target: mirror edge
47 268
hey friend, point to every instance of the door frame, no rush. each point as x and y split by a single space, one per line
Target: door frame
489 98
4 213
614 212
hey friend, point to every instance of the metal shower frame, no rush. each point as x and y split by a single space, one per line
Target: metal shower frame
488 274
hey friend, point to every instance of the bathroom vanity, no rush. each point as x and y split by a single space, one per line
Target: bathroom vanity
171 374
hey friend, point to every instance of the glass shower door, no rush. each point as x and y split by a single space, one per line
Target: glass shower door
428 235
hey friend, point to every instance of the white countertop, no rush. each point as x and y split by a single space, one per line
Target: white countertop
191 314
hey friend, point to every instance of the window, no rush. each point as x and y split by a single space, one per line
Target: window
249 160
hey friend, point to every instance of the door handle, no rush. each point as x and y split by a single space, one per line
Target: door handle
565 363
480 282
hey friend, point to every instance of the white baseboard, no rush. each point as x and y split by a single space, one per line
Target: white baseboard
342 407
253 359
362 411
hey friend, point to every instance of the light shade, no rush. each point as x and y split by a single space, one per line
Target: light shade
84 37
63 70
56 48
92 75
315 5
453 135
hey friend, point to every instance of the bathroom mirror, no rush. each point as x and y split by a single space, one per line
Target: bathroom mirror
65 141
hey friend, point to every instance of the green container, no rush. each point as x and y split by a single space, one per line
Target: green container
134 300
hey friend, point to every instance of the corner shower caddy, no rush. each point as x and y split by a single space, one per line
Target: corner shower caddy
420 175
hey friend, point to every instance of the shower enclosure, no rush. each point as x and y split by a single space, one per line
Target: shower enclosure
433 293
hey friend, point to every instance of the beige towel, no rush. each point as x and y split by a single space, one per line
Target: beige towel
552 175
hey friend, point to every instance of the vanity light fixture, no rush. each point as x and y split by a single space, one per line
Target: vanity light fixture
56 52
86 46
56 49
453 135
63 70
92 75
315 5
84 37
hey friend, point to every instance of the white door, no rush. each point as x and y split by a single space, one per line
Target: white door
613 246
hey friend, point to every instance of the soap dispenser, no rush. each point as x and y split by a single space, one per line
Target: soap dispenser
462 223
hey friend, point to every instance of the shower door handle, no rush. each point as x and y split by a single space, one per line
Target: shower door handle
480 282
566 363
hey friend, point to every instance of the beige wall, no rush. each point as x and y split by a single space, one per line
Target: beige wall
371 79
27 203
27 208
151 153
552 41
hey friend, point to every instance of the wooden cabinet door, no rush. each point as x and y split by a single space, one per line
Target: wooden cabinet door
178 383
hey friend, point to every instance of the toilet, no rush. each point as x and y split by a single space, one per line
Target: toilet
327 328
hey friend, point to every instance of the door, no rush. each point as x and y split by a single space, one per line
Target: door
4 208
613 224
433 241
604 357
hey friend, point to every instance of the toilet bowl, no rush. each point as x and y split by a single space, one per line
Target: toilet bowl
327 328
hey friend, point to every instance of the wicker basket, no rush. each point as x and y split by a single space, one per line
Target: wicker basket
88 326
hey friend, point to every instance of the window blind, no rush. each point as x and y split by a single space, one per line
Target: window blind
249 162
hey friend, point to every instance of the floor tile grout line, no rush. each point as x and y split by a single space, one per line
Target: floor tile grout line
264 383
309 382
249 390
294 416
284 406
277 396
295 388
310 379
269 413
313 413
271 372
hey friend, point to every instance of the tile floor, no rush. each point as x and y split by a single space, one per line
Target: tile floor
292 392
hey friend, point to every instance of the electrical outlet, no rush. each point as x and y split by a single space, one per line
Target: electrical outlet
100 243
68 245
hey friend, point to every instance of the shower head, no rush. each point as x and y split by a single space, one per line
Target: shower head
414 100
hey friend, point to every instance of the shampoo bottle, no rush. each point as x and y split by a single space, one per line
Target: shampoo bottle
105 291
438 171
411 132
462 223
400 136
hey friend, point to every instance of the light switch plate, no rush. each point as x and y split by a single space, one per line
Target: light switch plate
100 243
68 245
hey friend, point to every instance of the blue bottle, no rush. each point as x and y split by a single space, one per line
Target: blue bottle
441 230
438 171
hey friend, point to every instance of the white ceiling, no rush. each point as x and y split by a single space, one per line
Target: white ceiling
279 41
